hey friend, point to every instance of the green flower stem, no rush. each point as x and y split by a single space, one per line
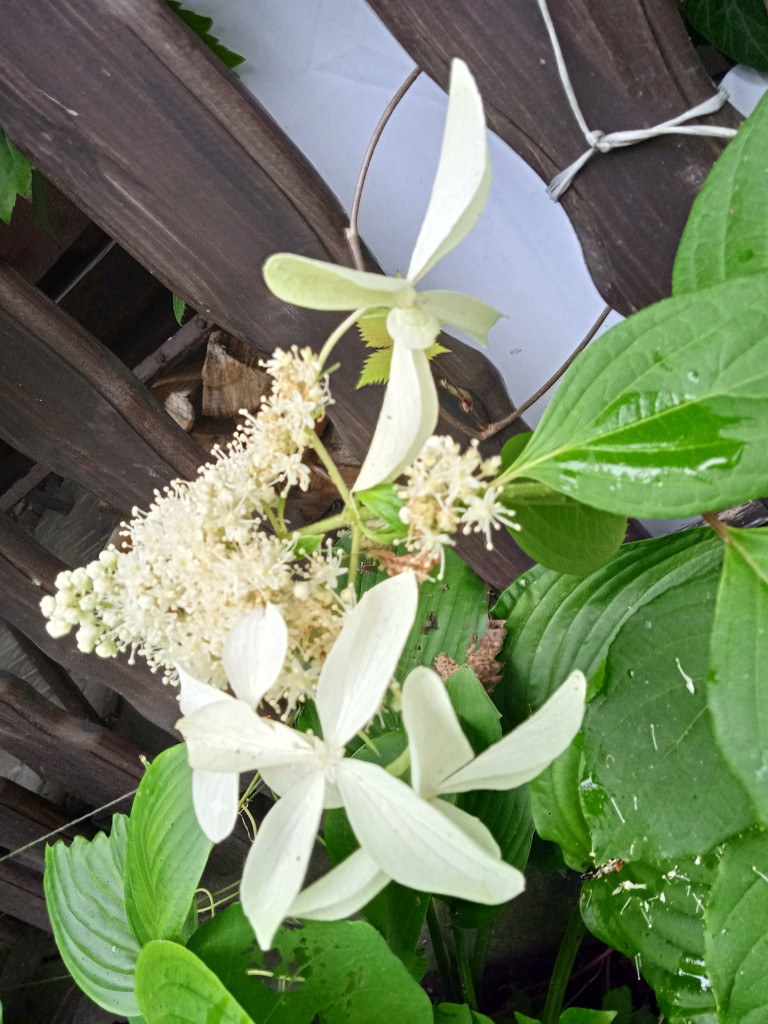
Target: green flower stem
401 764
275 523
441 953
333 472
339 333
561 972
324 525
354 556
465 968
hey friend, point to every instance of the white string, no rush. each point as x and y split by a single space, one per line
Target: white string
602 142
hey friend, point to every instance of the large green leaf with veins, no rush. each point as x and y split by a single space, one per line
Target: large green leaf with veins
727 232
737 694
667 413
656 785
84 898
737 27
654 914
736 939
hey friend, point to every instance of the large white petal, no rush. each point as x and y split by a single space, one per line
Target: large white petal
463 175
408 416
281 778
416 844
525 752
254 652
361 663
469 825
436 740
229 736
194 694
470 315
277 863
343 891
215 796
319 285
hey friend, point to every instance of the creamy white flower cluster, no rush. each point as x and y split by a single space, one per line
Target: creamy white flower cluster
448 490
199 557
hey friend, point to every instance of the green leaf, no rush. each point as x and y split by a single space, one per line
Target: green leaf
556 623
737 695
479 716
736 940
15 177
737 27
555 530
578 1015
727 231
376 368
342 972
173 986
656 786
458 1013
179 309
655 915
373 330
166 850
382 501
84 898
451 615
201 26
666 413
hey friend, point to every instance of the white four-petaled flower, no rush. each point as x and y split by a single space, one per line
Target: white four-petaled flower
410 410
415 841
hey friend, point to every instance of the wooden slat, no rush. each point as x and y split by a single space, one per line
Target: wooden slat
26 816
27 572
21 895
61 684
632 65
72 405
85 759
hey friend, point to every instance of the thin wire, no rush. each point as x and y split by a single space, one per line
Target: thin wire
494 428
353 238
69 824
602 142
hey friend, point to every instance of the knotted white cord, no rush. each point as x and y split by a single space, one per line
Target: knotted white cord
601 142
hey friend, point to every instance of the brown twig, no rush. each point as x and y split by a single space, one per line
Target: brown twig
720 528
353 238
494 428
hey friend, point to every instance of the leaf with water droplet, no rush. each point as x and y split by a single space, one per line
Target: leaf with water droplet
661 788
556 623
655 916
736 692
666 413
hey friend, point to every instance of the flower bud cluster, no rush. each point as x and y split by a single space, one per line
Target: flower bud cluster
199 557
448 491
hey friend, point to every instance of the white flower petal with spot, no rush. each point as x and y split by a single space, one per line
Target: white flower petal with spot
215 798
254 652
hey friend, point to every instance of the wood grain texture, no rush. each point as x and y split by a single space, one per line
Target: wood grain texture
69 403
27 572
85 759
632 65
25 817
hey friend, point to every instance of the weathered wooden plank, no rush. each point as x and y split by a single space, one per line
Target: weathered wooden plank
85 759
21 895
632 65
54 676
26 816
72 405
27 572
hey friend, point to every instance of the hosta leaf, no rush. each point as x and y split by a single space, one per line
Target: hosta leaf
15 177
556 623
666 413
655 915
737 27
737 695
727 232
173 986
554 529
736 940
166 851
84 897
656 785
458 1013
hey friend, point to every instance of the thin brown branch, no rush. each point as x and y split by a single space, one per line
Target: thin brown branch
720 528
494 428
353 238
